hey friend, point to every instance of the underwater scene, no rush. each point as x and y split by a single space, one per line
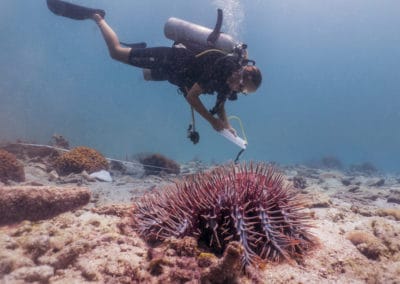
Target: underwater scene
199 141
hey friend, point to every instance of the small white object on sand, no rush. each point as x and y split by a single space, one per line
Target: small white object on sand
102 176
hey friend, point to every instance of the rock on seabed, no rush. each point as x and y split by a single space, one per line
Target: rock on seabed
18 203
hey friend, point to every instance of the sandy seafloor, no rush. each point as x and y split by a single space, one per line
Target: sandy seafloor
90 244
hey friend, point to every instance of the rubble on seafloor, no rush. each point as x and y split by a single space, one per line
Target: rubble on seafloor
355 217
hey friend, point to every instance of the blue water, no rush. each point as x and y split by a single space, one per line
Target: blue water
331 81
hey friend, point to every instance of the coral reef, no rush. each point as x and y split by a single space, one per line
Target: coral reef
249 204
156 164
20 203
79 159
97 243
10 168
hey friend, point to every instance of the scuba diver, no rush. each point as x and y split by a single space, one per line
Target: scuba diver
219 65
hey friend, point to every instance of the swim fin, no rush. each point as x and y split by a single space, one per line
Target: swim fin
73 11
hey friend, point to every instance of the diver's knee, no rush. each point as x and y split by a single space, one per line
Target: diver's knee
120 54
114 54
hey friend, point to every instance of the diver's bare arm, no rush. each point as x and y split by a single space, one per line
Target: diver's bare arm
115 49
193 99
222 115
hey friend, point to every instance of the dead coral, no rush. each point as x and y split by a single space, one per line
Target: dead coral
156 164
10 168
40 202
22 151
367 244
227 269
174 261
388 232
79 159
393 212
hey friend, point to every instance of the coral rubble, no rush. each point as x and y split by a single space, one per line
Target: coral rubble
368 244
10 168
249 204
34 203
80 159
36 153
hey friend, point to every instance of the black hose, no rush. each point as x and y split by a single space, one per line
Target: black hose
212 38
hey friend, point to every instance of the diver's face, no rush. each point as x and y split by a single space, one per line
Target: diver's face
238 83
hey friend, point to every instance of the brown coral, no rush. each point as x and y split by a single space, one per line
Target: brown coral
79 159
156 164
10 168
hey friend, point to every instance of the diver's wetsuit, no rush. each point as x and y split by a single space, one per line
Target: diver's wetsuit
182 68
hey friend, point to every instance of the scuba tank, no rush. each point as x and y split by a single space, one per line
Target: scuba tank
198 37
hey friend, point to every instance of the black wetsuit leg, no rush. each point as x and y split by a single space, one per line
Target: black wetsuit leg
152 57
165 63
